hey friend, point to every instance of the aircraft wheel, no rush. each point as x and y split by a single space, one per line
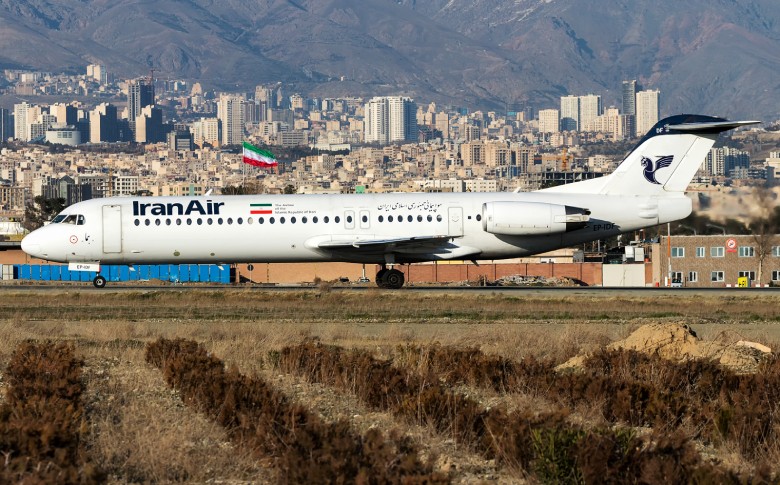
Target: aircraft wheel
380 278
394 279
99 281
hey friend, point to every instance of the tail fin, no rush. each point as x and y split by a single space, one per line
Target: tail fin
664 161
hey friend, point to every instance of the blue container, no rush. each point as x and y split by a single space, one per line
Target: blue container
65 274
124 273
35 272
194 273
86 275
55 272
203 269
154 272
184 273
45 272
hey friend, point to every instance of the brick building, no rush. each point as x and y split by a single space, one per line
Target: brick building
718 261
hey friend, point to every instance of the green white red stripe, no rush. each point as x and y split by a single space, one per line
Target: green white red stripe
258 157
261 209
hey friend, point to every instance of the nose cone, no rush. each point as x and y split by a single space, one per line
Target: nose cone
32 245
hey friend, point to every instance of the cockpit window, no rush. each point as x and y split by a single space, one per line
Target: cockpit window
58 219
70 219
80 220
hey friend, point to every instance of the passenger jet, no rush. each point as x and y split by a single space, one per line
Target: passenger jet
646 189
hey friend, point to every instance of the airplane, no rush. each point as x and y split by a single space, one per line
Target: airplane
646 189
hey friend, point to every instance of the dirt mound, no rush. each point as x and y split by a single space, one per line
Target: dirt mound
679 342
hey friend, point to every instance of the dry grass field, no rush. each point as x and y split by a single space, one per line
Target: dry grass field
140 430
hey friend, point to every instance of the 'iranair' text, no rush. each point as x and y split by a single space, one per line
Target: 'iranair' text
176 208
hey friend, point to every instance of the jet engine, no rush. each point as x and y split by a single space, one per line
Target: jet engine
531 218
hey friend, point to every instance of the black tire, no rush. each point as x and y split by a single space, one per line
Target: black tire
394 279
99 281
380 278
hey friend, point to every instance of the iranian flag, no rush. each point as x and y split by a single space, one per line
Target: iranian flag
257 157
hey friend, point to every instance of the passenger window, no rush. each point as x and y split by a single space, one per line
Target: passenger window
381 218
349 219
240 220
210 221
281 220
438 218
157 222
178 222
271 220
200 221
292 220
260 220
230 220
479 217
250 220
430 218
137 222
389 218
304 219
167 222
189 221
219 221
327 219
409 218
419 218
314 219
147 222
337 219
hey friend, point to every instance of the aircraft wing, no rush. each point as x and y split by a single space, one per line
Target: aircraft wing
436 247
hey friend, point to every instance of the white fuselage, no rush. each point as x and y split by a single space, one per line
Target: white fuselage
302 228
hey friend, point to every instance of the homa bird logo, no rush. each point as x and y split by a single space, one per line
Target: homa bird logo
651 168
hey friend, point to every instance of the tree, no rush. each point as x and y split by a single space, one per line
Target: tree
42 210
289 189
764 227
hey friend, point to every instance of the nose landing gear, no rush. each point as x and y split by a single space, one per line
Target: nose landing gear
392 279
99 281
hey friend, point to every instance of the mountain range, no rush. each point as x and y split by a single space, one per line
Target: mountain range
718 57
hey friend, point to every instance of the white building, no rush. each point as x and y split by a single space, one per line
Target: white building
570 113
230 111
647 110
548 121
590 109
206 130
390 119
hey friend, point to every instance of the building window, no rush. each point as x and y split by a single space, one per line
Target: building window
677 277
747 251
776 251
678 252
776 275
693 276
751 275
700 252
717 252
717 276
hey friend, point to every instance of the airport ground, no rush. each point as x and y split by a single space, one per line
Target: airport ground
140 431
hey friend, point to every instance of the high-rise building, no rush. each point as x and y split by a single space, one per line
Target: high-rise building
149 125
97 73
140 94
6 125
103 124
570 113
20 120
629 97
64 113
647 110
548 121
231 112
207 130
390 119
590 109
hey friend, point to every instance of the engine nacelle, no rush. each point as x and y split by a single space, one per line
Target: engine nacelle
531 218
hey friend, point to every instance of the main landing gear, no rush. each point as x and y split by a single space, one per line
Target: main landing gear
389 278
99 281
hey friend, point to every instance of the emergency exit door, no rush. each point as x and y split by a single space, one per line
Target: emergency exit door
112 228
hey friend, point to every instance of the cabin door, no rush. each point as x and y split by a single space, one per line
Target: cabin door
456 221
112 228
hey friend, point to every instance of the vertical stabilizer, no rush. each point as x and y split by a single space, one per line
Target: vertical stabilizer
664 161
